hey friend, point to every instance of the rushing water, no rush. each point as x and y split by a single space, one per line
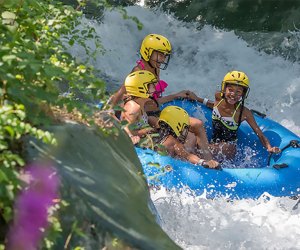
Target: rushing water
201 58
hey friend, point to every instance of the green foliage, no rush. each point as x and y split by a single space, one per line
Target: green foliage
134 18
12 128
34 36
37 72
94 8
34 65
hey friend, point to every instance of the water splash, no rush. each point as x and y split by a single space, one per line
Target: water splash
199 223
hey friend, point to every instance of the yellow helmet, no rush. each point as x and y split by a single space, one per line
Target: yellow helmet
136 83
154 42
236 77
177 118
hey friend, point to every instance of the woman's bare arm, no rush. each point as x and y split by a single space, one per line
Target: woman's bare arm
177 149
118 96
248 116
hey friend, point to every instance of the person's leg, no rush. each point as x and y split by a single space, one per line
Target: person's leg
190 143
153 121
197 128
226 150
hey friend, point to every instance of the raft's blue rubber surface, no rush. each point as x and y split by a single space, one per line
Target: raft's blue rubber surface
247 177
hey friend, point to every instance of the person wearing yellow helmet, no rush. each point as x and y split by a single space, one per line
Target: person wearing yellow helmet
139 86
228 113
174 125
155 52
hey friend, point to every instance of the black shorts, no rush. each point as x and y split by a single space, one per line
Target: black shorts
154 113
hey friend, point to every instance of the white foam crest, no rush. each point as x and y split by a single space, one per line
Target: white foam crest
199 223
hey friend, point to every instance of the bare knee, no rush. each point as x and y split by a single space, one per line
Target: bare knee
195 124
153 121
190 143
229 150
225 149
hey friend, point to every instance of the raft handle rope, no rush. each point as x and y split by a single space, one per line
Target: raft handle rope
297 204
258 113
280 166
205 165
293 144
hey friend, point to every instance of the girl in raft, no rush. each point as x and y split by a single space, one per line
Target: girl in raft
229 112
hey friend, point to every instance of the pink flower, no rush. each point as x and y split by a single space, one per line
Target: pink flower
31 208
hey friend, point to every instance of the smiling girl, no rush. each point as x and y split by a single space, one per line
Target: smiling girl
229 112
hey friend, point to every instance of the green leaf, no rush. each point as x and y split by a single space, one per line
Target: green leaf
6 15
10 130
71 42
154 164
3 176
118 108
7 213
9 58
124 123
3 145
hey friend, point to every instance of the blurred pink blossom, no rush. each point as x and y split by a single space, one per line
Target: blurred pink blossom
31 208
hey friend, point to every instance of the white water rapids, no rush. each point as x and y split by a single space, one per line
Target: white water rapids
200 60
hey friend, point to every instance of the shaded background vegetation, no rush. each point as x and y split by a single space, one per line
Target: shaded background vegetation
244 15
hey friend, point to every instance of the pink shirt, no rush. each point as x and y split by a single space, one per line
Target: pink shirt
159 87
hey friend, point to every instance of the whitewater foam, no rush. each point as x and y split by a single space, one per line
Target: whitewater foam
199 223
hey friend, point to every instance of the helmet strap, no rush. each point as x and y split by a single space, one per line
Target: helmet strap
156 102
151 64
241 112
165 129
247 93
163 65
222 93
182 138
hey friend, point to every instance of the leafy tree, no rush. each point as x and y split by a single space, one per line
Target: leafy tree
34 65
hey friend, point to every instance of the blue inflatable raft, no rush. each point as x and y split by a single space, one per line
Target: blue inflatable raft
252 173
